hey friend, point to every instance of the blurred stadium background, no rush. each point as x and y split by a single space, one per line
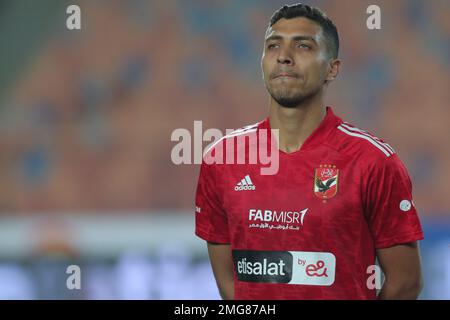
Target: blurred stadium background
86 118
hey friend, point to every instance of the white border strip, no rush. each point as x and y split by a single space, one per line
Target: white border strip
371 140
233 134
351 128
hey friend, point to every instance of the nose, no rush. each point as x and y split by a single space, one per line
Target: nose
285 56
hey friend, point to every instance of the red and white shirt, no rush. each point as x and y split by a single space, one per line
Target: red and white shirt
309 231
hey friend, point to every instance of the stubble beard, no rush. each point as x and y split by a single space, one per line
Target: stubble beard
288 99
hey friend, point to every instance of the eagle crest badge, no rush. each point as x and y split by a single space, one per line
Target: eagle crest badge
326 180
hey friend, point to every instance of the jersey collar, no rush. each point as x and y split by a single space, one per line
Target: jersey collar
318 136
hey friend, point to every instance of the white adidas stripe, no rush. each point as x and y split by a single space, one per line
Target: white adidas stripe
249 127
371 140
235 134
239 133
247 178
352 128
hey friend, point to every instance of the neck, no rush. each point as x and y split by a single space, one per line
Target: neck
295 125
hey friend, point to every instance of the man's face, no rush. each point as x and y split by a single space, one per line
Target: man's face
294 61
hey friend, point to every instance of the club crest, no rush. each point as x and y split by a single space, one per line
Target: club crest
326 181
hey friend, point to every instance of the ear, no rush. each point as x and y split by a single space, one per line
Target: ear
333 69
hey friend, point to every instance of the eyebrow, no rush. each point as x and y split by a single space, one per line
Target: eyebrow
295 38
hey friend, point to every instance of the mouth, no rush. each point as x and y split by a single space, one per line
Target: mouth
284 76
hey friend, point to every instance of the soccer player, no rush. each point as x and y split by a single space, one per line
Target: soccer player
340 200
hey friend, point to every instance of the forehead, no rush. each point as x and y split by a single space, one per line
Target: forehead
295 26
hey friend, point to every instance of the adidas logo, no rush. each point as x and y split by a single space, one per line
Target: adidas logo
245 184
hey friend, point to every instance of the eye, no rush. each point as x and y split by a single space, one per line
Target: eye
272 46
304 46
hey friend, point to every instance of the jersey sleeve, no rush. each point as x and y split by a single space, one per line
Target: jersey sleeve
392 216
211 223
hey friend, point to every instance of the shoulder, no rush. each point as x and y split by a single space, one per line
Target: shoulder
359 143
373 154
217 148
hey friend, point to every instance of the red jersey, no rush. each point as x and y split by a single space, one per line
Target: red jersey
309 231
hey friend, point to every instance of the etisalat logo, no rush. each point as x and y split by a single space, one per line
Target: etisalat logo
290 267
249 145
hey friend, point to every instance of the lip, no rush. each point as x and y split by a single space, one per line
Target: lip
284 75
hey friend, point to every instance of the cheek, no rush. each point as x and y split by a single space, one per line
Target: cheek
316 71
265 65
266 70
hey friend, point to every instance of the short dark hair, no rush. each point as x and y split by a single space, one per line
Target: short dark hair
315 14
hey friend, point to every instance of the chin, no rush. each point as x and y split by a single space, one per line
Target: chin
288 99
288 103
